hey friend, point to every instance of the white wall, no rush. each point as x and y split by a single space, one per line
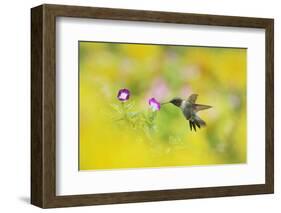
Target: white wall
15 107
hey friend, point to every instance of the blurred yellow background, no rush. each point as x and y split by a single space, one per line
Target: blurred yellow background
218 75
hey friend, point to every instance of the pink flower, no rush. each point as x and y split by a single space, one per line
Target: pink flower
159 89
123 95
154 104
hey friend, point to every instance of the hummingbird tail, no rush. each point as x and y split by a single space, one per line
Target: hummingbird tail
199 121
196 122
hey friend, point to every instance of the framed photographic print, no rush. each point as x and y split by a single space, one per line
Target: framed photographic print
135 106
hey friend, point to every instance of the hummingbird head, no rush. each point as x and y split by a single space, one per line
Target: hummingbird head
176 101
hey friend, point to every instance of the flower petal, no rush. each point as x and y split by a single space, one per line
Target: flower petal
154 104
123 94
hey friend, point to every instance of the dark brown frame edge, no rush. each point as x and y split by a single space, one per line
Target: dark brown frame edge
43 105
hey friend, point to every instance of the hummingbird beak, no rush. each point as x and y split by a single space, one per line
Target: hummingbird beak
165 103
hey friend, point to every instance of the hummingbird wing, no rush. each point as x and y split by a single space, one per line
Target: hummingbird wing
199 107
192 98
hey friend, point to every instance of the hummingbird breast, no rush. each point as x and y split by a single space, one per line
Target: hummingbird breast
187 110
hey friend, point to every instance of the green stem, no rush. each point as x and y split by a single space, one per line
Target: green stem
125 114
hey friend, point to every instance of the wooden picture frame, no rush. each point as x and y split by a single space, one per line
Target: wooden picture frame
43 105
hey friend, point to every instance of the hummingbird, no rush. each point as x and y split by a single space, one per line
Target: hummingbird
190 109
